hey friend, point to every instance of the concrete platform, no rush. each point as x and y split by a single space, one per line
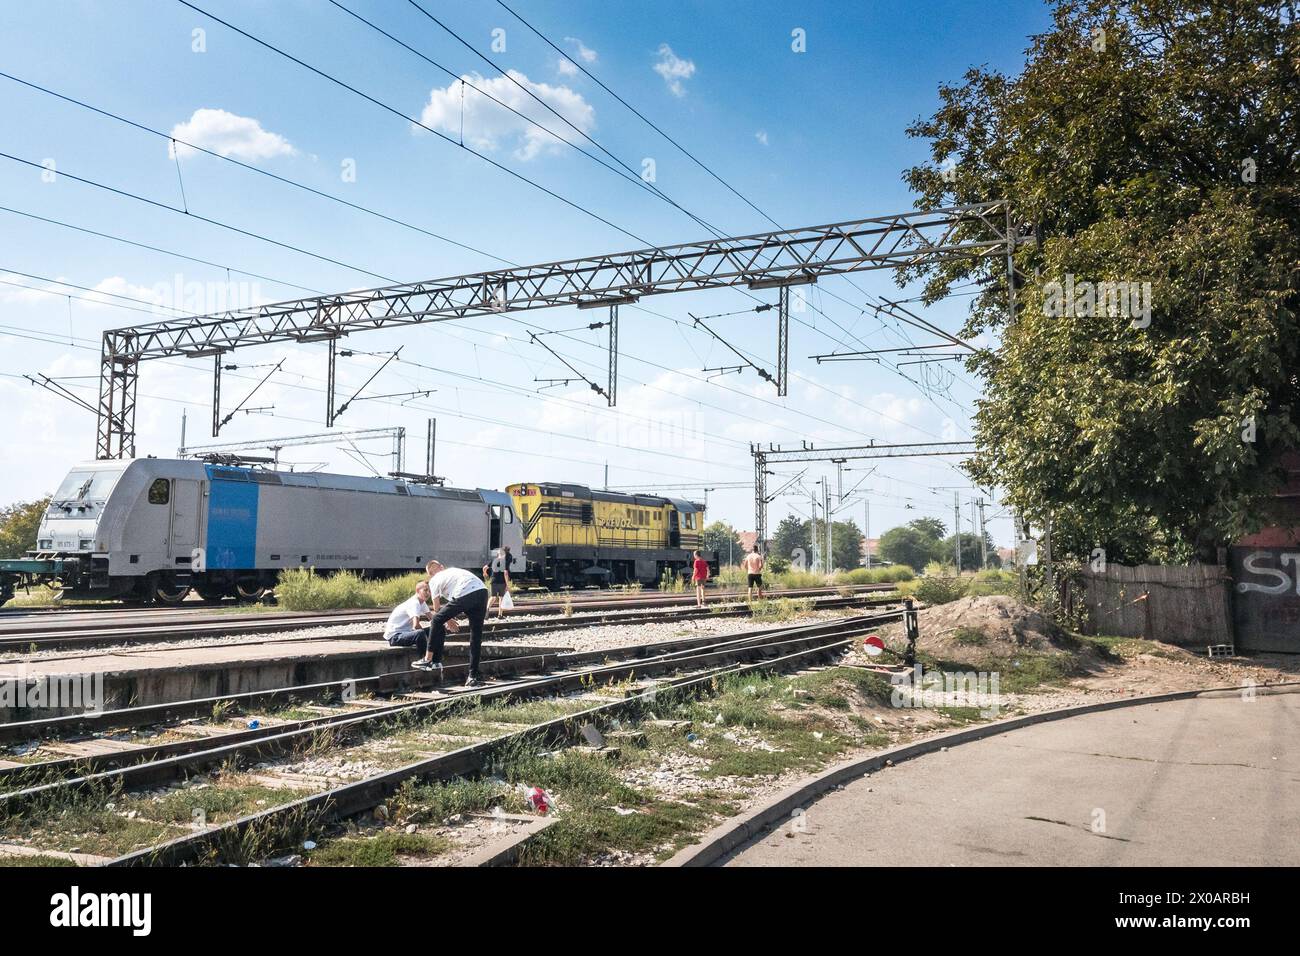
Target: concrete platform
165 675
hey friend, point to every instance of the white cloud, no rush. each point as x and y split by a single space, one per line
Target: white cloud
118 286
566 67
12 293
104 292
585 53
674 69
489 125
229 135
761 136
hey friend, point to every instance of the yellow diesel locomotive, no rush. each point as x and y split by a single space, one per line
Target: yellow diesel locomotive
577 537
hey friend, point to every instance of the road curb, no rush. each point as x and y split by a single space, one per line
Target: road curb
739 830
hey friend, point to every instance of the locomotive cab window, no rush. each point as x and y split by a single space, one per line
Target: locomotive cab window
160 491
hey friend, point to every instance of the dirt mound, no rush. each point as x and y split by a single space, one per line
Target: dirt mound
975 629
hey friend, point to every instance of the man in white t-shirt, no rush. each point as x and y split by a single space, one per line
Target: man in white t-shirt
408 625
454 592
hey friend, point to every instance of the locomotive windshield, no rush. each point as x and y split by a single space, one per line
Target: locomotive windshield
84 485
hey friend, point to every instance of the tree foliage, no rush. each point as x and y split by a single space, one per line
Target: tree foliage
915 544
1153 141
793 542
970 551
18 526
846 545
722 538
791 535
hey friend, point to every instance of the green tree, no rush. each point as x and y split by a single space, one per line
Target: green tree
722 538
791 534
970 551
18 525
1144 142
846 545
914 544
932 528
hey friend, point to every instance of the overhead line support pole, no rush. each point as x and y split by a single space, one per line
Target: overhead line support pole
760 498
612 391
216 395
783 344
329 387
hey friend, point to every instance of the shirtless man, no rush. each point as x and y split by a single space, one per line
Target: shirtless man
753 565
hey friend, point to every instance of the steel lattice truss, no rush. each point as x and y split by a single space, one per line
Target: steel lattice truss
763 260
774 454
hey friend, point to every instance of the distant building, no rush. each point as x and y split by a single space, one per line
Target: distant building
747 539
871 546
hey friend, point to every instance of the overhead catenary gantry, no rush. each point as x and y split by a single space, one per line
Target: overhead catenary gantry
771 260
807 452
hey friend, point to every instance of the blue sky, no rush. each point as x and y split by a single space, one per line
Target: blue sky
808 137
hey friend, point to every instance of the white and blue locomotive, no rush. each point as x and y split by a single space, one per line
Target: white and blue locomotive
153 529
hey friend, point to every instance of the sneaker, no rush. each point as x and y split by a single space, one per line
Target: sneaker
423 665
473 681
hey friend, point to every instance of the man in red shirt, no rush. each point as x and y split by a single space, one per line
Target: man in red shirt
699 574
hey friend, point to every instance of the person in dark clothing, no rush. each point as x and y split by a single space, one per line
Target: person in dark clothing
455 591
499 568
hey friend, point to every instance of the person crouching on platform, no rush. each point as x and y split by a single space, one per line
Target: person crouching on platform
455 591
408 625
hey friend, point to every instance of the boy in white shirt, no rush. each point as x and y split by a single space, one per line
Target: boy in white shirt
455 591
408 625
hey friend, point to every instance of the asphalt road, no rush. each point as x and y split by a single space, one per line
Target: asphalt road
1207 781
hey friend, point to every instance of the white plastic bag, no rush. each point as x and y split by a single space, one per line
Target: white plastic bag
507 601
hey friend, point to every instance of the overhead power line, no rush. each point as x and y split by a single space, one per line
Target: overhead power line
411 119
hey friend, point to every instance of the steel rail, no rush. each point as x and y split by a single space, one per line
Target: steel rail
172 762
252 622
493 631
278 824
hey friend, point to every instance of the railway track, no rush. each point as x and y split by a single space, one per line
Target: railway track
19 637
684 666
493 631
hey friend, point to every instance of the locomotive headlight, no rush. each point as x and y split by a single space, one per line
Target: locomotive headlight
45 544
84 544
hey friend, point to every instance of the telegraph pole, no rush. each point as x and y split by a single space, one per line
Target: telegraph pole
430 446
956 528
830 560
984 558
816 550
867 540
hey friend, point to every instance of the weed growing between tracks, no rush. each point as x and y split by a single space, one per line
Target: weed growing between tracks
638 805
102 821
688 762
781 609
